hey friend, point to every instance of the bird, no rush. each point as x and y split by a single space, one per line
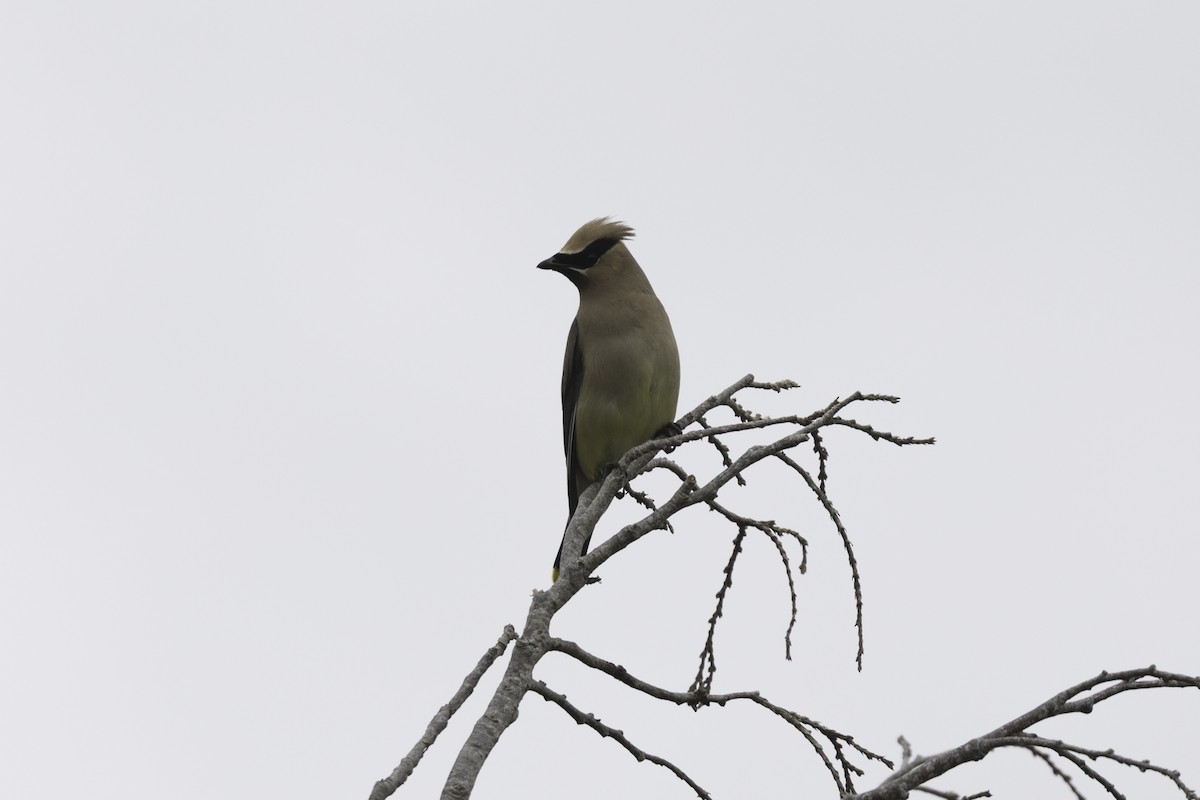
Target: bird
620 381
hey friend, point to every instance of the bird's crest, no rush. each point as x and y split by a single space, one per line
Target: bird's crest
594 231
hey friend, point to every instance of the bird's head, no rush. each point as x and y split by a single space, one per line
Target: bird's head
593 253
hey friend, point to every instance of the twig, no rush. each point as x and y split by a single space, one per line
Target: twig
1071 751
1058 773
945 795
846 544
619 737
822 459
708 659
775 533
806 726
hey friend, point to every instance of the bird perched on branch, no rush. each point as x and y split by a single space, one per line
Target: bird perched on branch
620 381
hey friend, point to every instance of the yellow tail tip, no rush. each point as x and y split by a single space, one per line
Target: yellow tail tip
554 575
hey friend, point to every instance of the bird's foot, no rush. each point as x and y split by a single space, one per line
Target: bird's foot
617 468
666 432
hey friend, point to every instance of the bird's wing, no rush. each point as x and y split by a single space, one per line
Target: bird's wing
572 380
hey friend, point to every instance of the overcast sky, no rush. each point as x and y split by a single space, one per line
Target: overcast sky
279 418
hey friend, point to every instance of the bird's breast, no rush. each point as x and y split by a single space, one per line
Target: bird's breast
629 389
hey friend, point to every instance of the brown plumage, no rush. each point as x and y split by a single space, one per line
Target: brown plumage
620 383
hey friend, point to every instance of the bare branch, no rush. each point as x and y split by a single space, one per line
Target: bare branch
809 728
1081 698
708 658
1096 776
951 795
819 419
822 459
578 572
725 399
1058 773
726 458
612 733
906 758
849 548
775 533
386 786
837 751
502 708
881 436
1071 751
636 460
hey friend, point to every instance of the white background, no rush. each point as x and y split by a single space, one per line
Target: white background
279 426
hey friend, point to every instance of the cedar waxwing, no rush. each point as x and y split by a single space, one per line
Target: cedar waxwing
620 379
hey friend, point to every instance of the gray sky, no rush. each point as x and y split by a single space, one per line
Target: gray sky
279 432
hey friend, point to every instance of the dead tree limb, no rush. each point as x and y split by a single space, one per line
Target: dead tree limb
577 573
386 786
1081 698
